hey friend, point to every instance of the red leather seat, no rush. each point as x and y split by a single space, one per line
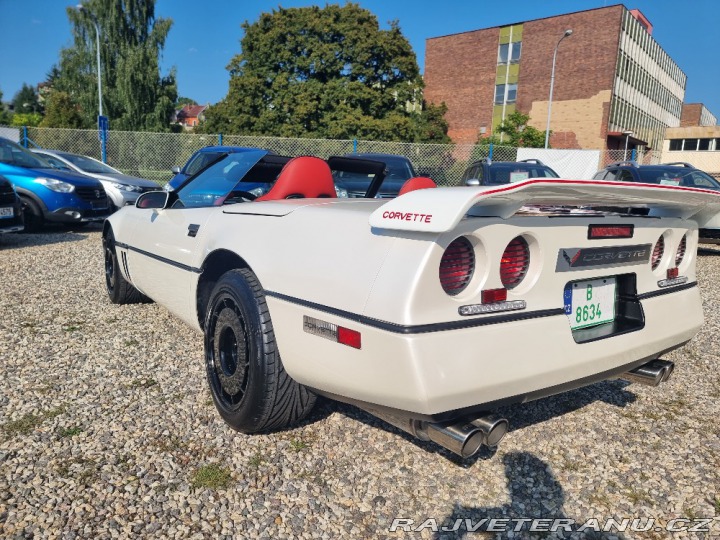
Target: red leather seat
418 182
304 177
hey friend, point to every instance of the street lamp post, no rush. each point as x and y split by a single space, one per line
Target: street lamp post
567 33
80 7
627 134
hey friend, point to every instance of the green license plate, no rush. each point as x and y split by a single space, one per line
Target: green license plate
591 302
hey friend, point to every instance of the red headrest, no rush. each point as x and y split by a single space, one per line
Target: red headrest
302 177
419 182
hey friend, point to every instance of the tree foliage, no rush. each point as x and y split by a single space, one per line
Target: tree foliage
516 132
4 115
135 95
26 101
61 111
324 73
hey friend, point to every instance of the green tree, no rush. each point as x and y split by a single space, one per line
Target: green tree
325 73
61 111
182 101
516 132
26 119
135 95
26 101
4 115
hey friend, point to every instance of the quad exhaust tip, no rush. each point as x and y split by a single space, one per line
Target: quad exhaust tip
650 374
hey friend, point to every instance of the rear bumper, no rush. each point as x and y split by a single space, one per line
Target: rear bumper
433 373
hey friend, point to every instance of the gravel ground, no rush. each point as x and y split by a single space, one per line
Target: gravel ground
108 431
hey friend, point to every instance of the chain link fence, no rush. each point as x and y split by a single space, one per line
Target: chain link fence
153 155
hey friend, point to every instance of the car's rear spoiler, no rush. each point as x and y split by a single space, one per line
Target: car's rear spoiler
441 209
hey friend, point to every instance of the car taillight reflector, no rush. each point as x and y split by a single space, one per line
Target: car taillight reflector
680 253
348 337
672 273
514 262
457 266
610 231
491 296
657 253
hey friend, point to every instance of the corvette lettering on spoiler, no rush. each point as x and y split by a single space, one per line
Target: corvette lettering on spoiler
408 216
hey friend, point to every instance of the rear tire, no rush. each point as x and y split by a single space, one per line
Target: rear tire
32 213
119 290
249 385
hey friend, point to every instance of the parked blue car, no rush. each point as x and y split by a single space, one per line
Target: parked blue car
11 219
50 194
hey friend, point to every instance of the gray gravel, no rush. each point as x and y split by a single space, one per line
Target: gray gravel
107 430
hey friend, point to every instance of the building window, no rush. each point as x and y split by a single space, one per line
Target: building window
704 144
505 93
675 144
509 52
511 93
499 94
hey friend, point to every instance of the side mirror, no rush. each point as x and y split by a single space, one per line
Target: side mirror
153 199
472 182
175 169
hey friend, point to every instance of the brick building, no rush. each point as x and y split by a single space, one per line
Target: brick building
611 78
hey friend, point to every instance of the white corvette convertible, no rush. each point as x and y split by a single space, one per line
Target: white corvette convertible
429 310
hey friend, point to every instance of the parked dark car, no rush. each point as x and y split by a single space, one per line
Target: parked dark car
486 172
11 219
398 169
672 174
49 194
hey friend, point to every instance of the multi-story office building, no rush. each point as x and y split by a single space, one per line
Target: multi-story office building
614 84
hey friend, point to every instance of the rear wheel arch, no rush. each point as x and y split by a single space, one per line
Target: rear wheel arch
213 268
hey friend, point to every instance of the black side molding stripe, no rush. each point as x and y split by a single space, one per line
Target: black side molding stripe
668 290
159 258
419 328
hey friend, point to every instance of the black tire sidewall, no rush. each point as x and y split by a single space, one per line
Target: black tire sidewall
32 214
109 244
250 414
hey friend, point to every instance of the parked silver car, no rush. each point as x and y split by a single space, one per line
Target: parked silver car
121 188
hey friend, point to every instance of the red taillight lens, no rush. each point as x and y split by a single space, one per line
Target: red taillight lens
514 263
492 296
680 253
457 266
610 231
657 253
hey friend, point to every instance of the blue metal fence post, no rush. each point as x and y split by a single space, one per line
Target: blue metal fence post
220 139
354 146
633 156
103 138
25 137
490 152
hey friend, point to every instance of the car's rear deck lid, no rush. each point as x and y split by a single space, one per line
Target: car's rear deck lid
439 210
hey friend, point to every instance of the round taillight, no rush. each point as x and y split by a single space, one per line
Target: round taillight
514 262
457 266
680 253
657 253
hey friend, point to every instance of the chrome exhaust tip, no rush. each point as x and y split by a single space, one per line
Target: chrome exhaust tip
494 428
650 374
462 438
